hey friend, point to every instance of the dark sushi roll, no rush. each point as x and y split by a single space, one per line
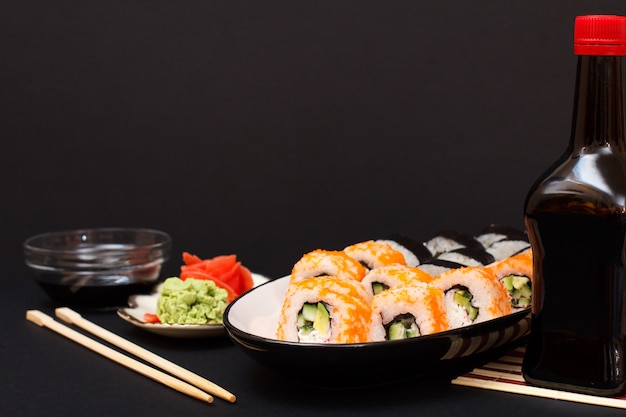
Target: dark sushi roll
415 253
503 242
496 233
448 240
507 248
436 267
468 256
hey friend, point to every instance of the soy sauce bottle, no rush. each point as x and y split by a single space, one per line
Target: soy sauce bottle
575 215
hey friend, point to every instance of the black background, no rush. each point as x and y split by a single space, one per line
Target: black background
266 129
271 128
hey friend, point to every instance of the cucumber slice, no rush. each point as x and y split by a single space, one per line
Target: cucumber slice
397 331
520 291
520 282
472 312
309 311
301 321
403 327
462 298
525 291
378 287
508 282
412 331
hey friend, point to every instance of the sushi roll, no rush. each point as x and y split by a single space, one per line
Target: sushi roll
373 254
507 248
436 267
391 276
503 242
472 295
414 252
515 274
405 312
468 256
325 310
448 240
327 263
495 233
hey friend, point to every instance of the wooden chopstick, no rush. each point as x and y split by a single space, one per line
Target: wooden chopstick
44 320
539 392
72 317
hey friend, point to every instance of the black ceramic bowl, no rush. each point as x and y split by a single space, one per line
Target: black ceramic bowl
251 321
97 268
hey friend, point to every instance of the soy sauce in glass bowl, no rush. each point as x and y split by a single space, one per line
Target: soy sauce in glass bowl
97 268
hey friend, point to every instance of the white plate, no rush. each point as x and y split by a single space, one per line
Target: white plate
141 304
251 322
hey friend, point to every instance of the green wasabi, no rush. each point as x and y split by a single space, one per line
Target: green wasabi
192 301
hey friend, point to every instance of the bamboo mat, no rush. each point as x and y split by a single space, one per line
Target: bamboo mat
505 374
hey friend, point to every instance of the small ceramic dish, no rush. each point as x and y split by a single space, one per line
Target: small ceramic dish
140 304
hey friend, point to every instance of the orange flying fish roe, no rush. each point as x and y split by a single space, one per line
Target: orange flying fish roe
375 254
327 263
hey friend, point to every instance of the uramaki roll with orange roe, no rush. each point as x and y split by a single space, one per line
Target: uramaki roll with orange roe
515 274
472 295
373 254
390 276
410 311
327 263
325 310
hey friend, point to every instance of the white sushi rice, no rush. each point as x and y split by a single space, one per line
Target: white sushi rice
489 239
434 270
457 315
459 258
440 244
507 248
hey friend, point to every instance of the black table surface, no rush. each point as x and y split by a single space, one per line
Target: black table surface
45 374
266 129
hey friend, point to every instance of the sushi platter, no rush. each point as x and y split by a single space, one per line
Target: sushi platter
251 320
262 321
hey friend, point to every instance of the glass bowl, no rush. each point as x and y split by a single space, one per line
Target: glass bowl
97 268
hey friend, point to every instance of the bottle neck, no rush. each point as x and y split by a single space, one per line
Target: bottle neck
598 106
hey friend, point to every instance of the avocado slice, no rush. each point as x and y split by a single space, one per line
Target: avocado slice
321 323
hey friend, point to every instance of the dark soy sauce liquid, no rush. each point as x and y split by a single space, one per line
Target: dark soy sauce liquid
95 297
577 338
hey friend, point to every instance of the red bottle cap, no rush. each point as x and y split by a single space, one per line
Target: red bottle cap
600 35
